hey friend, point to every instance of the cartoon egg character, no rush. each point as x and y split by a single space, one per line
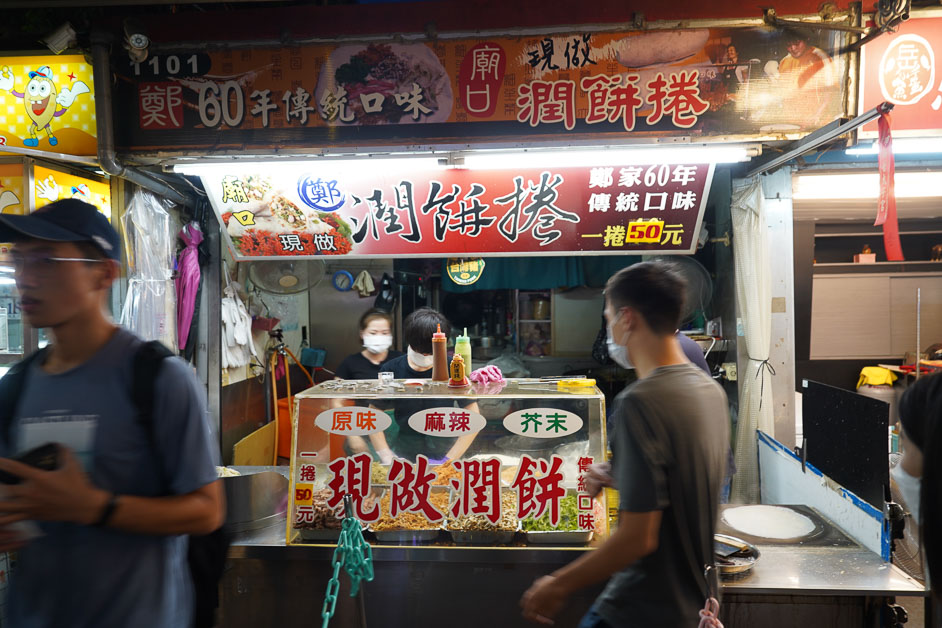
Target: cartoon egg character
40 98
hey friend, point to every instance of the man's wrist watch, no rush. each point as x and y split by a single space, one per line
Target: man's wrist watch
107 511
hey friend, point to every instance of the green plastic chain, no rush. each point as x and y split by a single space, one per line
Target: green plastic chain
356 557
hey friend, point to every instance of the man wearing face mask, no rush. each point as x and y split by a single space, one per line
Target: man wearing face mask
417 331
918 475
671 435
376 336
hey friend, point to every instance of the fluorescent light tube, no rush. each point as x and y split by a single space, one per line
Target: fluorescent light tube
865 186
575 158
902 146
326 165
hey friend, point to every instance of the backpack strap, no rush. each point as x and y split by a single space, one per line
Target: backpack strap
147 361
11 387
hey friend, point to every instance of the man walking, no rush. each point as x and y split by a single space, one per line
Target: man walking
110 549
669 448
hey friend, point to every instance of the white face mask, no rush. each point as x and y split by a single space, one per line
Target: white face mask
909 486
377 344
618 352
420 360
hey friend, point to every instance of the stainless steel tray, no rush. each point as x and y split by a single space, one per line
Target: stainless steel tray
560 537
406 536
740 562
482 537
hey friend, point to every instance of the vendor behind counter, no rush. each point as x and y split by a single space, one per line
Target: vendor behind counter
416 364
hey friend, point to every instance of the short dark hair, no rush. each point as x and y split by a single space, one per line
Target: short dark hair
795 35
654 289
372 314
419 326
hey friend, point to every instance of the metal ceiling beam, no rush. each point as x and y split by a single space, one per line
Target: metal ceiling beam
820 137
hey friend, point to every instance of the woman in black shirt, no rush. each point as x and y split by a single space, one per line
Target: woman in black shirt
376 336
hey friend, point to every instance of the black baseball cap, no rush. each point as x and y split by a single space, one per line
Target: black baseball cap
68 220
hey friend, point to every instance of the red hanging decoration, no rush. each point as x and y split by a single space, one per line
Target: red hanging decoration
886 209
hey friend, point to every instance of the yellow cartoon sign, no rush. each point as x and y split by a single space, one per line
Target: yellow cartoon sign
53 185
47 103
11 189
11 196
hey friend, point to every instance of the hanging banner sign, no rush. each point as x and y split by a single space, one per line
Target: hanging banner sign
903 68
47 103
309 209
707 82
54 185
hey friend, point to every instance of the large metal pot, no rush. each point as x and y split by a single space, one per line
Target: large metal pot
256 498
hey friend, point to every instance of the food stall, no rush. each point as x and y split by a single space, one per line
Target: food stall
467 149
513 508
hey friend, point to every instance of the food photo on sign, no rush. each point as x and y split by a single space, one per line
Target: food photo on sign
383 84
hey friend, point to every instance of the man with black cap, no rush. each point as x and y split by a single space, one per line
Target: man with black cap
107 547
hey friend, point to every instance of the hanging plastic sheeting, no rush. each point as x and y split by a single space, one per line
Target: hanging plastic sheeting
754 293
150 309
237 344
188 279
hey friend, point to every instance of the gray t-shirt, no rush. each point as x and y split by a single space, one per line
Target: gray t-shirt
669 447
86 577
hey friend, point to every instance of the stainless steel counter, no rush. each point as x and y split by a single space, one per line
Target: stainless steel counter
789 570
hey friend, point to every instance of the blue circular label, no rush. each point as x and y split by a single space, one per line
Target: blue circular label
320 194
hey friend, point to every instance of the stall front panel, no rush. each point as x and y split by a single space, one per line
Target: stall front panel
484 465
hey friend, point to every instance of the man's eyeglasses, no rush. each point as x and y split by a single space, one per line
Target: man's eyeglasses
44 264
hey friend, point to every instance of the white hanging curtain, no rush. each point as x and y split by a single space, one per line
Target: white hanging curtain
150 309
754 294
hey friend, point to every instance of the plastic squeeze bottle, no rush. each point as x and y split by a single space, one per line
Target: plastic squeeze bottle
439 356
463 348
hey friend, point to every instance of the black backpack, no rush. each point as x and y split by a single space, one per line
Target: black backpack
207 553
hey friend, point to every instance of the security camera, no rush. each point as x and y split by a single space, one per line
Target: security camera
136 41
60 39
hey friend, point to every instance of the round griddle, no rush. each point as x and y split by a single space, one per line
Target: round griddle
819 530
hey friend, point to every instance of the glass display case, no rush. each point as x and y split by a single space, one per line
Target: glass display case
425 463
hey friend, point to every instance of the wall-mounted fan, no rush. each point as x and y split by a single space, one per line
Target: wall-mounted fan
286 276
699 284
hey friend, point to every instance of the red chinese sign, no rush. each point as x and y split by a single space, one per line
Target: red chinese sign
585 505
537 484
900 68
704 82
351 476
311 210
